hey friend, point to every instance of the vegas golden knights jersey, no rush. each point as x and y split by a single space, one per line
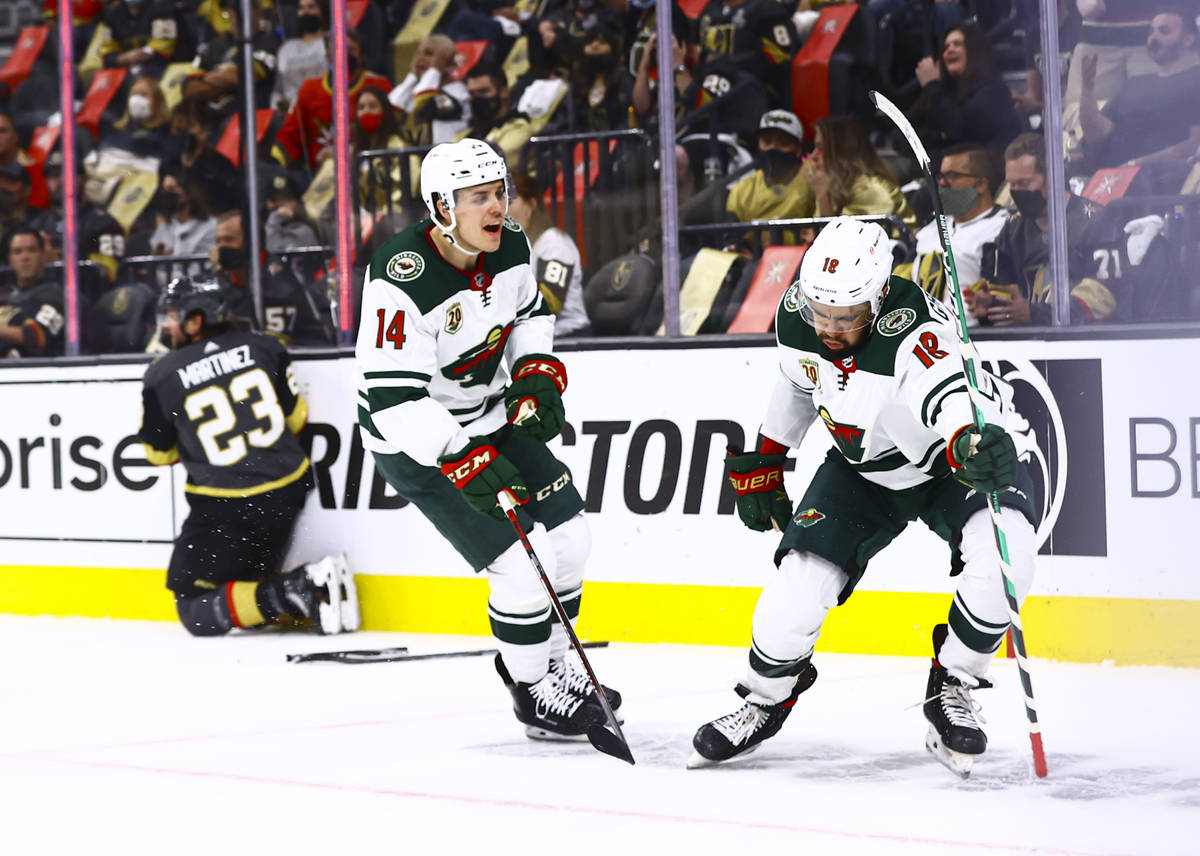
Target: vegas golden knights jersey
229 409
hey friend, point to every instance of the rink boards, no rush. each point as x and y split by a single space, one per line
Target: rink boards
1113 438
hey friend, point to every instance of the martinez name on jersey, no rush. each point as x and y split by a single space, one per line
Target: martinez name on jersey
893 405
434 364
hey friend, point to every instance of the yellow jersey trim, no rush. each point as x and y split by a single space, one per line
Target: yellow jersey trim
240 492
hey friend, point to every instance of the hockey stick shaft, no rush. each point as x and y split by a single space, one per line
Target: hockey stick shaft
600 737
967 352
396 655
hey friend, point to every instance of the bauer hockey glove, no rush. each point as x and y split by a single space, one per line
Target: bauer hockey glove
533 401
481 472
757 479
985 460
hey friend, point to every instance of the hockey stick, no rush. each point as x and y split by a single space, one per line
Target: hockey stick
967 352
609 742
395 655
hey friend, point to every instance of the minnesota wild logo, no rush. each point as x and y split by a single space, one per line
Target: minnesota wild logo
848 438
405 266
791 297
478 364
808 517
896 321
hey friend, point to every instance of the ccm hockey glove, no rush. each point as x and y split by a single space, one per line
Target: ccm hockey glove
757 479
985 460
533 401
481 472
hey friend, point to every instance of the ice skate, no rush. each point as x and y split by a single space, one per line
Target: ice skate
955 736
312 592
571 673
743 730
548 709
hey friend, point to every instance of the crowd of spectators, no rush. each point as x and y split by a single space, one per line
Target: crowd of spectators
163 192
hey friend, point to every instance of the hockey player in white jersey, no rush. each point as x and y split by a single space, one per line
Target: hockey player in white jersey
876 360
458 394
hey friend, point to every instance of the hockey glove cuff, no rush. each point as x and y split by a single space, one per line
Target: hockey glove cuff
985 460
533 401
481 472
757 480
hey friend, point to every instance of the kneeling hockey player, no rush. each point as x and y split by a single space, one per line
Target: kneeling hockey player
225 404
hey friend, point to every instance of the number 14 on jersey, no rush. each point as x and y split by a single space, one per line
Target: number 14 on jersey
390 331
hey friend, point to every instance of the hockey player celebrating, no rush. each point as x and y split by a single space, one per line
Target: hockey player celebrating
224 403
458 395
877 360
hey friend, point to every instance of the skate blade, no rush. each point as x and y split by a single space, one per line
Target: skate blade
351 618
328 619
956 762
534 732
699 762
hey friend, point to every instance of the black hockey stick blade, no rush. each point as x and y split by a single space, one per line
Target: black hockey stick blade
366 655
610 744
395 655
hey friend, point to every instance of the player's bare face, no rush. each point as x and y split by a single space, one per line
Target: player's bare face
480 213
172 334
841 329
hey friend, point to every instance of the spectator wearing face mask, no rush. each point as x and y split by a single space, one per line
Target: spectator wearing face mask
304 56
144 126
493 117
375 128
293 314
601 89
142 35
188 150
968 179
1017 289
778 189
433 106
185 225
306 135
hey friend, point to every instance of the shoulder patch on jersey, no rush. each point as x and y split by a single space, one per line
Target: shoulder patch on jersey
811 371
405 266
511 224
896 321
791 297
454 318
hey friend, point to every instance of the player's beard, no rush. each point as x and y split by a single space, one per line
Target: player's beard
846 350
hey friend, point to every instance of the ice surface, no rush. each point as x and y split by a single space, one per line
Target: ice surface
132 738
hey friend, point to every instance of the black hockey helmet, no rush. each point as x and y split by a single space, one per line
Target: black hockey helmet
208 295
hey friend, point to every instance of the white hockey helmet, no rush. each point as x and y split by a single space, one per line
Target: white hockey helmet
849 263
454 166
